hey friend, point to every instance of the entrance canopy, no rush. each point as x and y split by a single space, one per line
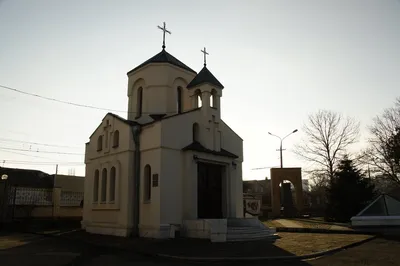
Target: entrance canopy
383 211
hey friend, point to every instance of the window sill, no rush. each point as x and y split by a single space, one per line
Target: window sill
99 150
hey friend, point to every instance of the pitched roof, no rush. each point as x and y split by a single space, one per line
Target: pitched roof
383 205
164 57
123 120
196 146
204 76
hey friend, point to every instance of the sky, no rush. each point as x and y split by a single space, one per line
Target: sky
278 60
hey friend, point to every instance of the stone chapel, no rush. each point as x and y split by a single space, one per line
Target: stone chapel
172 166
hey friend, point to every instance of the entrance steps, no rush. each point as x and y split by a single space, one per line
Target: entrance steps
248 229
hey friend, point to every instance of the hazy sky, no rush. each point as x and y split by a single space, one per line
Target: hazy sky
278 60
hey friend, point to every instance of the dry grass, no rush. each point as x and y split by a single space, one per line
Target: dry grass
378 252
321 225
272 223
307 243
312 223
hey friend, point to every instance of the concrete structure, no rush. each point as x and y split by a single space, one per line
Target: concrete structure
174 164
278 175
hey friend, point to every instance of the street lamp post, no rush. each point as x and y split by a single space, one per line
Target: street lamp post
2 210
281 139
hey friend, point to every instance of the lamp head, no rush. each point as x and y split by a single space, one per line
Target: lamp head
294 131
4 177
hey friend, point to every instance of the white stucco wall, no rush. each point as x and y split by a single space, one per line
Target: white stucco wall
110 217
159 82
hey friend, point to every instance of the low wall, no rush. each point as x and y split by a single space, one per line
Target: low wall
29 211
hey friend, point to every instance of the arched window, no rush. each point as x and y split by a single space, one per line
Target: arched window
100 143
147 182
96 186
104 185
139 103
111 193
197 99
195 131
213 99
179 99
116 139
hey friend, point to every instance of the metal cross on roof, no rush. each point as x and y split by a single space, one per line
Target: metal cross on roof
164 29
205 55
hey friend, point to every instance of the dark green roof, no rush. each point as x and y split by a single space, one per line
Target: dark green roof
204 76
164 57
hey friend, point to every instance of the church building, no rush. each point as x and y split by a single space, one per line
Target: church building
173 165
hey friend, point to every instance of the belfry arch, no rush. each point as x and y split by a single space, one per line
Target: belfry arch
278 175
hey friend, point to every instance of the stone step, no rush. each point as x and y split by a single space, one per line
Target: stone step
249 231
245 233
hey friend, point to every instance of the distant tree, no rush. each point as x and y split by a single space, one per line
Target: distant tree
318 180
349 192
328 135
383 152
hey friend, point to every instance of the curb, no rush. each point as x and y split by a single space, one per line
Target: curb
208 259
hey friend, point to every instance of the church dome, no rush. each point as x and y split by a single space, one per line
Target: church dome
164 57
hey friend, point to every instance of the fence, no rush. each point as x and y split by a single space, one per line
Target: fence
24 203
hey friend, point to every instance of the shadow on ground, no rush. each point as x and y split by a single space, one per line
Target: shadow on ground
72 249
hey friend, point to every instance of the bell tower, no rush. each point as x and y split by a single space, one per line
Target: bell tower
208 89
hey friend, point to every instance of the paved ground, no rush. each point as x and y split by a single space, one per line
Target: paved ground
60 251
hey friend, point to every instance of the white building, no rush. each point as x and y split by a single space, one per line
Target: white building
173 164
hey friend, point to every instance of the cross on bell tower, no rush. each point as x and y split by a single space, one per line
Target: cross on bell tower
164 29
205 55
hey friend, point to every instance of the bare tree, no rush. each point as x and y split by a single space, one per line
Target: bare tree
384 147
328 134
318 180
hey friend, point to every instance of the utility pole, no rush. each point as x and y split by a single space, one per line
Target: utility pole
281 139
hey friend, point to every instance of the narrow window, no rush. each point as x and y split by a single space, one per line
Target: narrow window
147 183
96 186
116 139
198 101
104 185
112 184
213 99
100 143
139 104
106 133
179 99
195 131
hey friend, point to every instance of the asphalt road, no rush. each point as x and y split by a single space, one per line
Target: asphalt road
58 251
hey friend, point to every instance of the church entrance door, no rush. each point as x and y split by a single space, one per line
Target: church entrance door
209 191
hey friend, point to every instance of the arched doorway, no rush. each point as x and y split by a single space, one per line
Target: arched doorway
286 194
